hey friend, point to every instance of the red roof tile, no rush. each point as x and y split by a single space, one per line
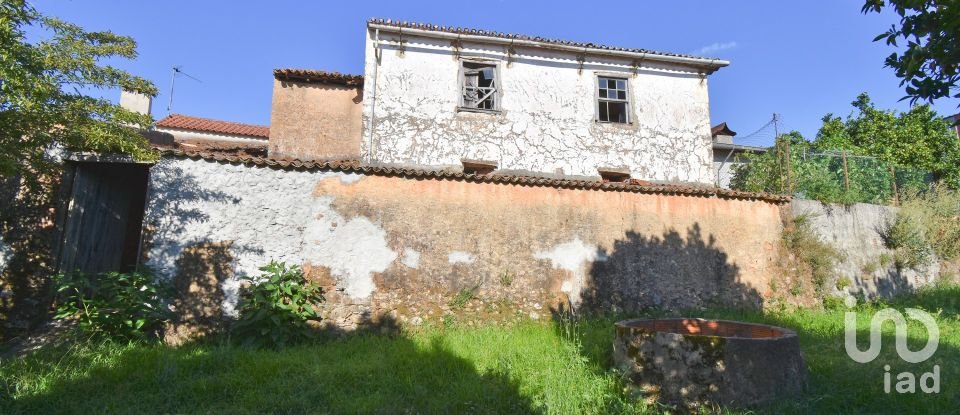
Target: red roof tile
186 122
314 76
355 166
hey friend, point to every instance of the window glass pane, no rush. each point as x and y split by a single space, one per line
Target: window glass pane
603 93
621 84
621 94
603 112
617 112
612 84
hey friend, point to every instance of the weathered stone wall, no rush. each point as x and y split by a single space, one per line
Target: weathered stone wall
406 247
857 232
315 121
547 122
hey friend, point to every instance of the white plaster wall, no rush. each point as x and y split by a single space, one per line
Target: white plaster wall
265 214
548 118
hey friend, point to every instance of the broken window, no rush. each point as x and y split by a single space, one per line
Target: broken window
612 100
479 86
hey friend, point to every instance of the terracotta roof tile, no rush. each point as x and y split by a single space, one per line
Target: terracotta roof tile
721 129
492 33
315 76
186 122
355 166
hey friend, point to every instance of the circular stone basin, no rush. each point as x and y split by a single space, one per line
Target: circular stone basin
692 362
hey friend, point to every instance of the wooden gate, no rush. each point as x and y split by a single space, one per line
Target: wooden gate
104 216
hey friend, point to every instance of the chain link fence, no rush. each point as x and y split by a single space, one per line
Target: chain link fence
828 176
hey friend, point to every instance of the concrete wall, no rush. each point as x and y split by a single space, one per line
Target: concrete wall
857 232
405 247
547 122
315 121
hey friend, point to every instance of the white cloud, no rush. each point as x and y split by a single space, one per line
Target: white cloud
715 47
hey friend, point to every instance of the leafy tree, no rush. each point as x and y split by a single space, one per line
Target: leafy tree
41 102
918 138
928 66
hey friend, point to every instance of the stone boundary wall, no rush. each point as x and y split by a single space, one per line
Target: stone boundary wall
857 232
403 247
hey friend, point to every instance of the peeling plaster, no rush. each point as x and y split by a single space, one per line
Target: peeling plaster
262 211
350 178
460 257
547 119
411 258
353 251
573 256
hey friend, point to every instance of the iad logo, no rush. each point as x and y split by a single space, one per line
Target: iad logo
906 381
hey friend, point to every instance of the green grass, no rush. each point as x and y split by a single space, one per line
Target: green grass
561 368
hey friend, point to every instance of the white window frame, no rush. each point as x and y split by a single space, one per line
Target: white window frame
497 80
597 99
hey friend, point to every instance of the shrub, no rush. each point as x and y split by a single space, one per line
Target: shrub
821 257
906 235
276 308
117 305
936 213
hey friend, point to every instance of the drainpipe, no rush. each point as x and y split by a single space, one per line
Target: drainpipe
373 97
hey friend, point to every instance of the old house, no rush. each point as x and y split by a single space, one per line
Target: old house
428 175
435 96
727 155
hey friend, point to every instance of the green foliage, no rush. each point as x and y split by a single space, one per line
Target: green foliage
859 159
906 235
42 98
463 297
506 279
820 257
927 223
116 305
918 139
276 308
814 174
928 63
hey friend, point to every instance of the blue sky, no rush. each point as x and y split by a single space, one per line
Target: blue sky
801 59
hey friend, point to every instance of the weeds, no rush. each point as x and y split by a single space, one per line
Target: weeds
928 223
463 297
820 257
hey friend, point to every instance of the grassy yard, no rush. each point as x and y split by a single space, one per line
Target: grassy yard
558 368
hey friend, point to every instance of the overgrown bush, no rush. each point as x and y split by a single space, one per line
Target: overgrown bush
821 257
928 222
117 305
906 235
276 308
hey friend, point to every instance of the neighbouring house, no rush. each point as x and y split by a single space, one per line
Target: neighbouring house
434 96
187 132
727 155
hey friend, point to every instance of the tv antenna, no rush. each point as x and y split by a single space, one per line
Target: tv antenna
177 70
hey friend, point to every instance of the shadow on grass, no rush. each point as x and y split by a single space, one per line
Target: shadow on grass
357 373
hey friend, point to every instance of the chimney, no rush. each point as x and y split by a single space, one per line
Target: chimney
136 102
315 115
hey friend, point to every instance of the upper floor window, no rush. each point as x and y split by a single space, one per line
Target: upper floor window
479 86
613 103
